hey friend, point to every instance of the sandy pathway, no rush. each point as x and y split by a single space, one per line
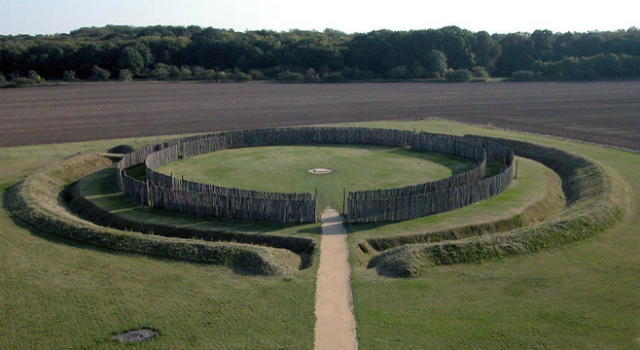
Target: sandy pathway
336 324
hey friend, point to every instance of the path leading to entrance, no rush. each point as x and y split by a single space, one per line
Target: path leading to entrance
335 322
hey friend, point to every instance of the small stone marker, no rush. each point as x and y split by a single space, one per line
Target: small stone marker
138 335
320 171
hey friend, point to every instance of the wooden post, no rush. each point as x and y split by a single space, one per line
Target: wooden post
515 177
148 194
344 199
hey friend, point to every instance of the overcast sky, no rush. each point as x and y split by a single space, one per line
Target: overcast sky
493 16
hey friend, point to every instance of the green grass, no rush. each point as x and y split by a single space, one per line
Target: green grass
37 202
532 185
100 189
58 294
578 296
284 169
400 255
591 207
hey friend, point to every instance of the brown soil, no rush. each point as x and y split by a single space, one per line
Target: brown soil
336 324
601 112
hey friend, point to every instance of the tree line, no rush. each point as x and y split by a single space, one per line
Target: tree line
183 53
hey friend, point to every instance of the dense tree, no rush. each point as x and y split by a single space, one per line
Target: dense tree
131 60
35 77
416 70
99 74
167 52
125 75
335 77
310 76
373 51
70 76
398 72
480 72
436 62
543 41
517 54
487 51
457 45
523 75
594 67
290 77
458 76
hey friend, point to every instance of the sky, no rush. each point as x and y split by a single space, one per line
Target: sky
494 16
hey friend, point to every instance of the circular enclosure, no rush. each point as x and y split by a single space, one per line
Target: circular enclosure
396 204
285 169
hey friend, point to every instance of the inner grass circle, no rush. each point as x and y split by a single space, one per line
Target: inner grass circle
286 169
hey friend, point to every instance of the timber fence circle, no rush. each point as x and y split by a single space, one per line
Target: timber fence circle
165 191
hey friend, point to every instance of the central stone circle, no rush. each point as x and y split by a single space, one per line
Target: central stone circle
319 171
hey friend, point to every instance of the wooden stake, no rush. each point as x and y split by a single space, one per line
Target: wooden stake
344 199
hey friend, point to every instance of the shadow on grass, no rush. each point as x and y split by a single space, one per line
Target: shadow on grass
104 193
7 205
457 165
305 252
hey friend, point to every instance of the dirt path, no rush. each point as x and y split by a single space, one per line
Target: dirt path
336 324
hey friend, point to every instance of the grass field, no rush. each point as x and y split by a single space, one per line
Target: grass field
56 294
284 169
580 296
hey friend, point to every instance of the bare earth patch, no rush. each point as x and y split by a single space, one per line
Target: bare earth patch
320 171
138 335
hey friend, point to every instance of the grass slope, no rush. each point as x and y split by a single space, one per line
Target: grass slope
406 255
60 294
534 183
534 196
36 201
577 296
591 208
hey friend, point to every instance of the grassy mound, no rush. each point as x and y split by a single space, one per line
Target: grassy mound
591 208
539 211
36 201
90 211
531 198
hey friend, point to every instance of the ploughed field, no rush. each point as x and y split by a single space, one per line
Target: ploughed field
601 112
